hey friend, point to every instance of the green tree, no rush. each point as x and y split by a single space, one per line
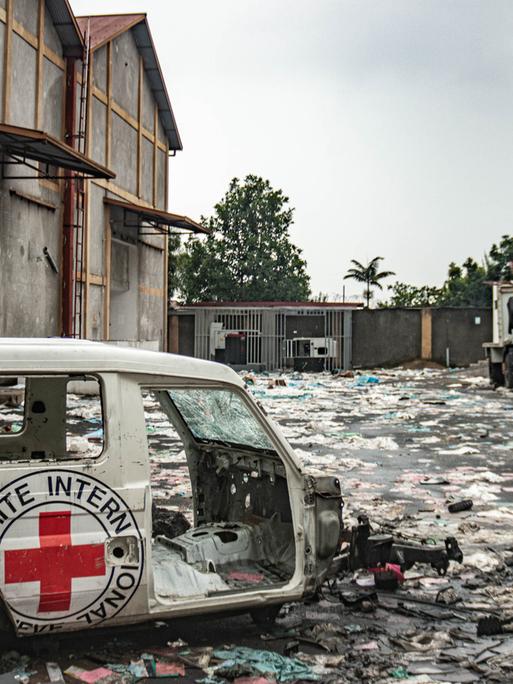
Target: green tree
368 274
498 262
405 295
465 285
248 255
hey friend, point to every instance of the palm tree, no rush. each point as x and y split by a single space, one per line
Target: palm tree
369 274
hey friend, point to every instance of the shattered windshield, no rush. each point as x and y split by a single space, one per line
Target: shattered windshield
219 415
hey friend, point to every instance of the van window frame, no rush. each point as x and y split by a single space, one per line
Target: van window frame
174 382
71 376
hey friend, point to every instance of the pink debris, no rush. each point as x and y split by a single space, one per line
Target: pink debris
91 676
246 576
390 567
170 670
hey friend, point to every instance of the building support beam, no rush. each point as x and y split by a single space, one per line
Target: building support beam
108 136
69 204
139 127
88 146
40 64
7 61
155 151
107 247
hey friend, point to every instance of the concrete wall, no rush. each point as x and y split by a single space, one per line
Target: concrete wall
388 337
381 337
137 314
30 209
151 323
463 332
125 72
25 12
385 337
30 289
23 83
124 291
53 100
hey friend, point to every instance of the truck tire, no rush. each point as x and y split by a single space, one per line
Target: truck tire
496 375
508 370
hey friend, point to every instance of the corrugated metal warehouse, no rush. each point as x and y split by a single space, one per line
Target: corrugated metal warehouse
86 130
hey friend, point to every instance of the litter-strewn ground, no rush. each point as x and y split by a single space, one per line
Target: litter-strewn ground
405 444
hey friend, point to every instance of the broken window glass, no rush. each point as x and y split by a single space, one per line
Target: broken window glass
219 415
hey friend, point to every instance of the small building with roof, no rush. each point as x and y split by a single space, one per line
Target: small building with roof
306 336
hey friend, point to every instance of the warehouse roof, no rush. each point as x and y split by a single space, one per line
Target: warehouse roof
29 144
157 216
275 304
105 28
66 27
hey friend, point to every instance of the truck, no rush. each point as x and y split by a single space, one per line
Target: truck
499 351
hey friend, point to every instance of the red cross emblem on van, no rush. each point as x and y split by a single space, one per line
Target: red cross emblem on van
55 563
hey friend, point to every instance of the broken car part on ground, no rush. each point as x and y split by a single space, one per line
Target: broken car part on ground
419 448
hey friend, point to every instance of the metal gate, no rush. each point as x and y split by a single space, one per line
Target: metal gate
265 330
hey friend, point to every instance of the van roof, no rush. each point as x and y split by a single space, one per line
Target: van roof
55 354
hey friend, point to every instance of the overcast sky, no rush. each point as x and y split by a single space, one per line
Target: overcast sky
388 123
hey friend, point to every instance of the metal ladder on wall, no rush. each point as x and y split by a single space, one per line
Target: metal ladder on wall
79 275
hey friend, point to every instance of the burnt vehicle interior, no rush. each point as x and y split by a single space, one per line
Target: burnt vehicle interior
222 520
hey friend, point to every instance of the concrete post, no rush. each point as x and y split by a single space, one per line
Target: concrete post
174 333
426 323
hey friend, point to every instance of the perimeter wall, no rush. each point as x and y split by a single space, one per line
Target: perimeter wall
389 337
386 337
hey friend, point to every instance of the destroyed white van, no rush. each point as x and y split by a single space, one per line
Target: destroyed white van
99 445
